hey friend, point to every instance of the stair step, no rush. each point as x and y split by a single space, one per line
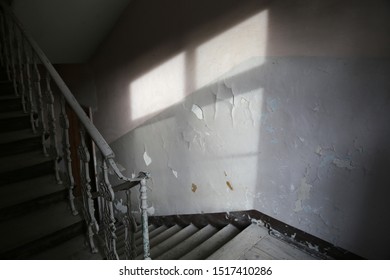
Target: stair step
23 191
28 232
212 244
139 241
6 87
76 248
47 242
15 123
15 162
188 244
159 239
13 114
241 243
21 146
120 232
7 137
137 236
169 243
31 205
10 103
26 173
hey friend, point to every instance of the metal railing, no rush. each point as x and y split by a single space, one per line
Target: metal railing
32 76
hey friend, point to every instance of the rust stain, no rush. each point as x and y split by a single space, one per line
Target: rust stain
229 185
194 187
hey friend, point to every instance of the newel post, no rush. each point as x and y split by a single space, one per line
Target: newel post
144 209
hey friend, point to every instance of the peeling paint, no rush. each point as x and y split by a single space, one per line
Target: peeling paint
303 194
194 187
147 159
191 136
174 172
326 160
120 206
342 163
197 111
272 105
151 211
357 147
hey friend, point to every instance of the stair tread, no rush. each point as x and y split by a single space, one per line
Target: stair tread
241 243
13 114
138 235
23 191
21 146
189 243
73 249
212 244
6 137
159 238
10 103
172 241
139 241
25 229
20 161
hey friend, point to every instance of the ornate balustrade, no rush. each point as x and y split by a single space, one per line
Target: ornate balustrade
33 77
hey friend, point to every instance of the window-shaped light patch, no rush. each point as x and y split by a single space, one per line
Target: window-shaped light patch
244 41
158 89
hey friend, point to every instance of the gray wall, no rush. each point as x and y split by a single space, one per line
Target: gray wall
68 31
269 105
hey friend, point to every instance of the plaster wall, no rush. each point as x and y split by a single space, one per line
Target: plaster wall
269 105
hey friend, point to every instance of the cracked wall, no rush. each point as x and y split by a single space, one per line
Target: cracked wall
299 132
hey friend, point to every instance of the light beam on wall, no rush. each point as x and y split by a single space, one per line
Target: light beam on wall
158 89
240 43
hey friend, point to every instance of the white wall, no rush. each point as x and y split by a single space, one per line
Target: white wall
281 107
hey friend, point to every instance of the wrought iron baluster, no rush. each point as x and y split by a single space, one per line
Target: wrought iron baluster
9 27
30 96
52 131
2 56
64 122
41 113
130 228
5 46
88 207
19 46
108 219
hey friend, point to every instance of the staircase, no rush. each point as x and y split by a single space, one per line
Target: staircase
34 213
36 220
218 236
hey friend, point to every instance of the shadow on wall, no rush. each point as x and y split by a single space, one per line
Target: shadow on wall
293 124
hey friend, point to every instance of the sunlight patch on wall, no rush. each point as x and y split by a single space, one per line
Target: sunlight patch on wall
158 89
243 41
